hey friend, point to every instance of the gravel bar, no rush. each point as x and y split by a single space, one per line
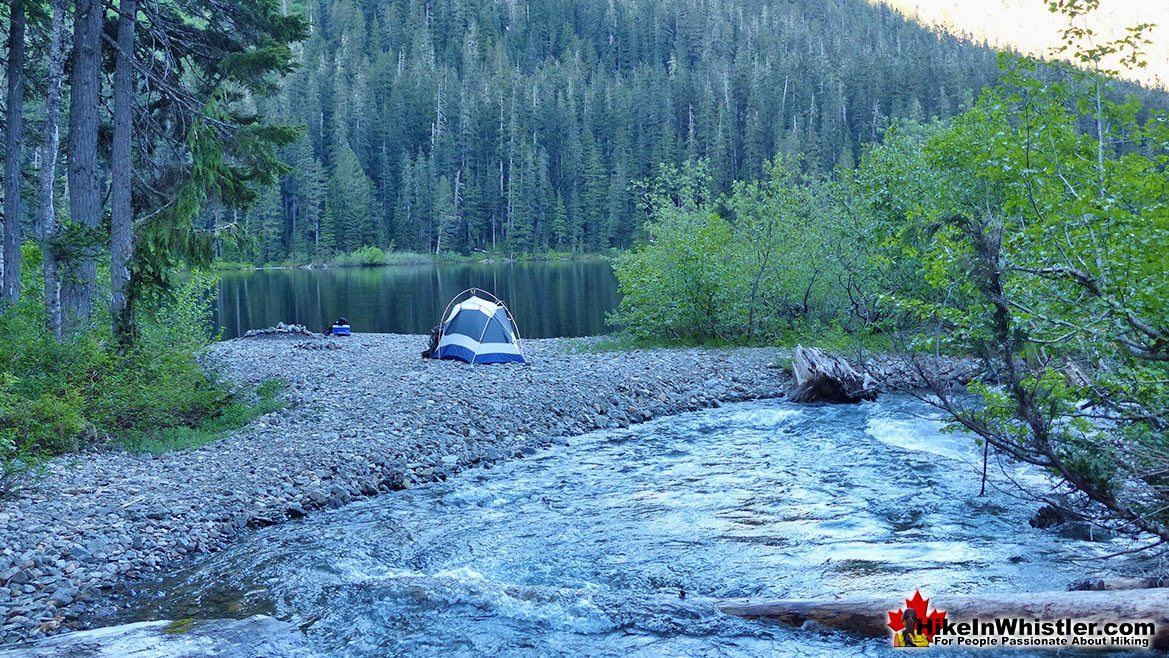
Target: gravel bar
365 417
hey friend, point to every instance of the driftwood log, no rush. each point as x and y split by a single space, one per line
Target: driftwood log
1098 584
869 616
820 377
281 330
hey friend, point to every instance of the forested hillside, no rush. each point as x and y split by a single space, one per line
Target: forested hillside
458 125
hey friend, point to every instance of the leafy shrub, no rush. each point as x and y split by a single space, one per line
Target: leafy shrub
150 388
56 396
672 288
772 256
368 256
186 317
229 265
43 384
236 412
1041 248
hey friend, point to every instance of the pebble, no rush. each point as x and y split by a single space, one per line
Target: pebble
369 418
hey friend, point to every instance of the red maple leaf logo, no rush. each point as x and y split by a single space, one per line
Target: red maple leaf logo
930 623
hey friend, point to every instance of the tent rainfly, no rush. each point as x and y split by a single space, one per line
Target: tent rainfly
478 330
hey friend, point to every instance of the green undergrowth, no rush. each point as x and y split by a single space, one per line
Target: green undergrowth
180 626
235 414
782 361
58 397
828 337
372 256
832 337
231 265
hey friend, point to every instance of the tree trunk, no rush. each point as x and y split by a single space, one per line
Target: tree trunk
48 179
14 138
79 266
122 173
819 377
870 616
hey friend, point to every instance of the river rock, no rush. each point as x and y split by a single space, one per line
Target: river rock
62 597
367 419
281 330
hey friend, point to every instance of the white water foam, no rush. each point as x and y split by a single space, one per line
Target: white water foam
923 435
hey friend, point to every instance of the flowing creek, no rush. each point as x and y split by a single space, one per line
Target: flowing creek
587 549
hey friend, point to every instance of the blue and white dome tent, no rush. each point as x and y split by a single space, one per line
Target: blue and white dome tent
478 330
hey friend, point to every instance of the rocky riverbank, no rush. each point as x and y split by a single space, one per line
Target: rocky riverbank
367 418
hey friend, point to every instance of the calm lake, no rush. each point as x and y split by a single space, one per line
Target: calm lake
548 300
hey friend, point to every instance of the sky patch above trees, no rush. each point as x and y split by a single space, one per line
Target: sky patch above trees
1029 28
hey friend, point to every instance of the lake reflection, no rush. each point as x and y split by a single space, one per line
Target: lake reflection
548 299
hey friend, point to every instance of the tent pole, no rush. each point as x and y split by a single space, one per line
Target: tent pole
447 310
482 334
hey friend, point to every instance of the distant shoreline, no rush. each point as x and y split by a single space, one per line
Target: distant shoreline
399 258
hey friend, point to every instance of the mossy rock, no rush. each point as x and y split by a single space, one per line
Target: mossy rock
180 626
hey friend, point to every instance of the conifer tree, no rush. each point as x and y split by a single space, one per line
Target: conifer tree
608 90
350 199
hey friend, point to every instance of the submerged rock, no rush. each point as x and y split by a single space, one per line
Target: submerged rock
238 638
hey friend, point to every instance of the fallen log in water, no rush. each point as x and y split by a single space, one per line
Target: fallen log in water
1095 584
869 616
820 377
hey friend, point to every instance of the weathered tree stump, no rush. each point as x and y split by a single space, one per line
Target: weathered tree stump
869 616
820 377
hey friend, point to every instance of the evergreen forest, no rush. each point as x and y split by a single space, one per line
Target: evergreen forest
523 127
